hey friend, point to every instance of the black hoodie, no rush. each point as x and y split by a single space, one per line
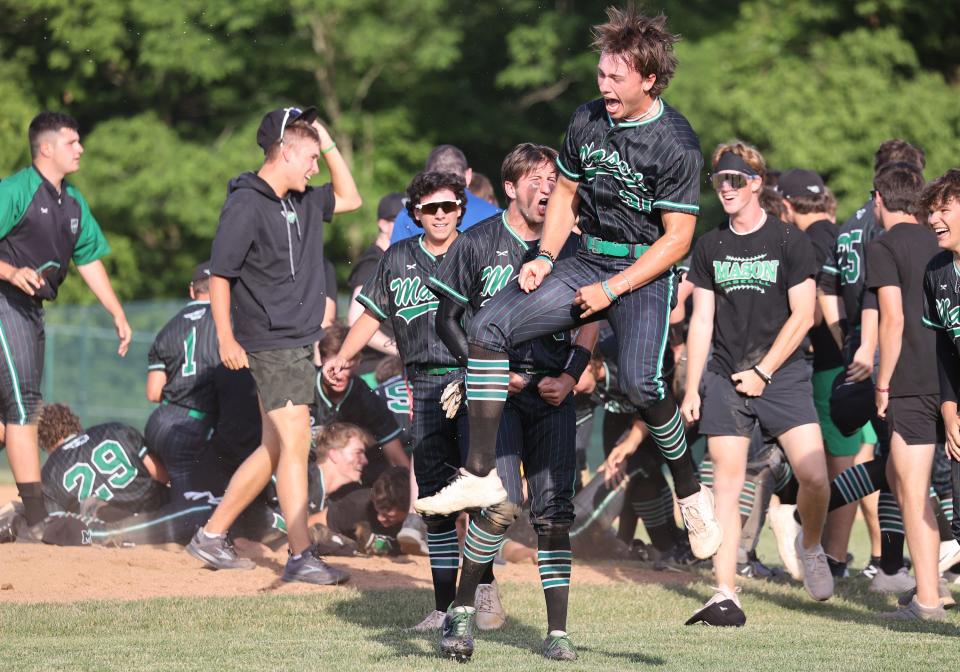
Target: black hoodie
272 252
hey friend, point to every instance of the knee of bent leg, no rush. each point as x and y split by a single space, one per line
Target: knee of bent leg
486 331
502 514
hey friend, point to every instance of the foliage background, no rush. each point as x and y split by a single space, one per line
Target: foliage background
169 95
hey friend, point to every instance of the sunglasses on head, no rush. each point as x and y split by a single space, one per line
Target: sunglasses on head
435 206
735 180
287 111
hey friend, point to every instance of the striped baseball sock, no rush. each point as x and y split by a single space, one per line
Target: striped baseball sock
488 377
483 541
706 471
555 562
444 553
943 523
669 433
891 533
747 497
657 519
857 482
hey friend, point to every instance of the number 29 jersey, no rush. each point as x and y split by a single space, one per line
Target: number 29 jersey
105 462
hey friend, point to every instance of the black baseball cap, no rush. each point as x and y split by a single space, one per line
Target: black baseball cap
201 272
852 405
276 121
800 182
390 206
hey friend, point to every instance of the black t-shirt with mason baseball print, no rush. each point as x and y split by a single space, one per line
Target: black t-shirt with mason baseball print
899 258
105 462
750 274
481 262
823 235
399 292
631 172
186 349
941 312
846 273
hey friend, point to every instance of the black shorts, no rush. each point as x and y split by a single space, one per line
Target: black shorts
916 419
283 376
786 403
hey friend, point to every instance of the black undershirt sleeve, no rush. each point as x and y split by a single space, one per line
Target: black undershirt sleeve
450 328
948 367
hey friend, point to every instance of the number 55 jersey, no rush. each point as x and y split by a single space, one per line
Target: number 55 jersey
105 462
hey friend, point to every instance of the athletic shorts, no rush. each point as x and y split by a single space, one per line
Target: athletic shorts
834 441
916 419
786 403
282 376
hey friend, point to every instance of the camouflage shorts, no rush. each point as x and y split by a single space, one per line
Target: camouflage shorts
283 376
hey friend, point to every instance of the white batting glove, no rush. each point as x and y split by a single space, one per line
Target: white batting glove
452 397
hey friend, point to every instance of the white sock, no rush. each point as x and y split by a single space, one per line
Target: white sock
558 633
206 534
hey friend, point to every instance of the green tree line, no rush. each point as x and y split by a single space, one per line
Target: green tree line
169 95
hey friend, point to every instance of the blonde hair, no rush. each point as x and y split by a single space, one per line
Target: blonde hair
748 153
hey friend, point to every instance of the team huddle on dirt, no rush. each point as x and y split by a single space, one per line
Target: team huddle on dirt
452 417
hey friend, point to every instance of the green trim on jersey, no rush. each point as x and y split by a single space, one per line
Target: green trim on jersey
670 205
634 124
16 193
663 345
424 248
91 245
454 294
513 233
568 173
329 403
370 305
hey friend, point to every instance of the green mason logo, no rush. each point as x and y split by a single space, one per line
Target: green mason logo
597 162
753 273
949 317
495 278
412 298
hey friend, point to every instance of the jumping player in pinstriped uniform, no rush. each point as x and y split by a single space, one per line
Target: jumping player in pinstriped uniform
630 171
538 427
44 223
399 292
180 370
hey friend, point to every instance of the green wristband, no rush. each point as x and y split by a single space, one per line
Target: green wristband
328 149
609 292
547 259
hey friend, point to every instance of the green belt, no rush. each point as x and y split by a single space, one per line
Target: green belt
608 248
191 412
437 370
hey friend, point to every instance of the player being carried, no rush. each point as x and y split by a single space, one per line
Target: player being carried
538 427
630 170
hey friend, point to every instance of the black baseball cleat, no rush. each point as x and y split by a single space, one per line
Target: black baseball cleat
456 639
722 610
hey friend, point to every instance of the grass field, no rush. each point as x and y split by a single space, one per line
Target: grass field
625 625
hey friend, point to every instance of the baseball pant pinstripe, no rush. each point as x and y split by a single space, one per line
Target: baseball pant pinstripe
542 439
439 444
639 320
22 341
179 439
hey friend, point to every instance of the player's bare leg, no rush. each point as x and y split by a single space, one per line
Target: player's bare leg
804 448
836 533
729 456
291 425
908 472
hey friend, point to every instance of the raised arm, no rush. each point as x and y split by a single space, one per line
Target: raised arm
344 188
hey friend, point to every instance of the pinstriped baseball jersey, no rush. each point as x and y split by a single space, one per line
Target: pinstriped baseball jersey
399 292
106 462
481 262
630 172
186 350
848 267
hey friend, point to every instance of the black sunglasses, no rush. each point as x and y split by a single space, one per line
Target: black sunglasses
435 206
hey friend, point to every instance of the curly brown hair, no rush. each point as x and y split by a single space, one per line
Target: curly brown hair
56 423
940 192
429 182
643 42
391 490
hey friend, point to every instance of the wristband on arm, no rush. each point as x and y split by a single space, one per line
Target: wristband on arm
577 361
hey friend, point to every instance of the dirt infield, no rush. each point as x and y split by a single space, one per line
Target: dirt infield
41 573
